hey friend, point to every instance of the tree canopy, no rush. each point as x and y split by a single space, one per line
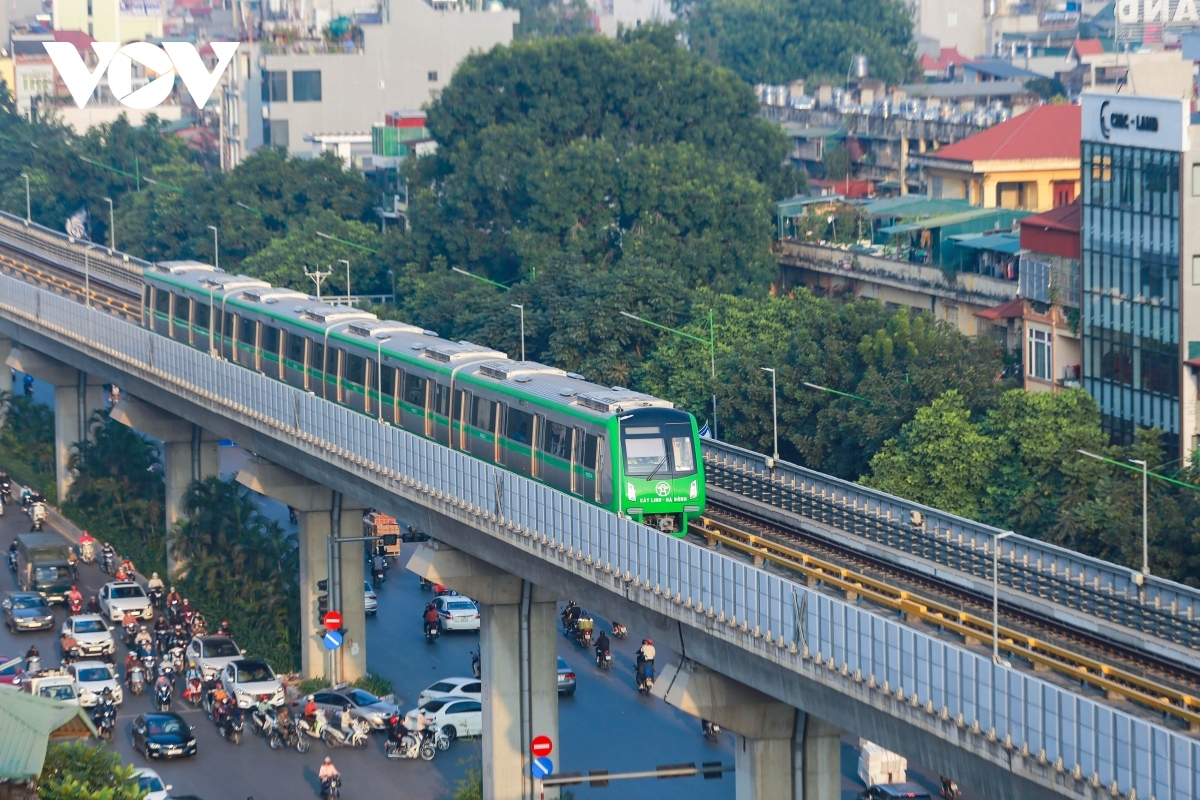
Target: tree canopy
74 771
776 41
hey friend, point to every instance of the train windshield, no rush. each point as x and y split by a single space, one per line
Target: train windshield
659 446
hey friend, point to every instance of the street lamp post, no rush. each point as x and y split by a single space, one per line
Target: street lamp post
112 228
521 307
347 263
25 175
216 247
996 595
380 338
774 410
712 354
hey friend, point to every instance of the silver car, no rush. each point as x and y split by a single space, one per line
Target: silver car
370 599
27 611
363 705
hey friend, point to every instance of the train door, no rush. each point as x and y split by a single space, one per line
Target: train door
162 311
438 428
554 453
245 345
201 325
460 407
181 309
270 358
577 438
481 440
386 378
294 347
355 382
592 452
519 440
413 402
334 363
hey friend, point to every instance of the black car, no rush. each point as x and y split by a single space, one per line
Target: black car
163 736
895 791
27 611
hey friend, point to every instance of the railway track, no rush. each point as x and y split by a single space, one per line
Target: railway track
70 283
1044 644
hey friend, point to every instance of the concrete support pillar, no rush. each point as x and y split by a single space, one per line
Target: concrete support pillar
189 454
6 382
76 396
318 506
503 598
819 747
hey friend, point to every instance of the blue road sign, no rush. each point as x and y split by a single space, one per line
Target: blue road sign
542 767
333 640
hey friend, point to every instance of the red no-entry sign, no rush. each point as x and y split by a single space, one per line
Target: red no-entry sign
541 746
333 620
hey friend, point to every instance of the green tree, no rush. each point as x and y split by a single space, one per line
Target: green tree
282 261
542 18
776 41
243 566
27 443
77 772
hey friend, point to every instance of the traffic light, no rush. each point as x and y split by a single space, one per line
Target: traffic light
322 599
391 539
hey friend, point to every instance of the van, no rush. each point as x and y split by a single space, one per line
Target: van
55 685
43 565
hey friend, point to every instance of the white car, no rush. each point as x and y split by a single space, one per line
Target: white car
457 613
92 632
457 717
124 597
91 679
212 654
248 679
450 688
370 599
151 782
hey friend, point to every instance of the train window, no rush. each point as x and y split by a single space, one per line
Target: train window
414 390
181 310
200 318
590 446
644 456
683 449
270 339
227 323
295 348
556 440
146 296
441 399
387 379
247 331
162 301
316 358
356 369
520 426
483 414
460 405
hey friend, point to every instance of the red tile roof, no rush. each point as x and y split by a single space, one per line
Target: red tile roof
1066 218
947 57
82 42
1043 132
1088 47
1012 309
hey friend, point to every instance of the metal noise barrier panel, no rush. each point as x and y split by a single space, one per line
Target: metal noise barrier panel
119 270
1116 746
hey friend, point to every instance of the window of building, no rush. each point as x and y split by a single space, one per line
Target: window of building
1195 180
1195 270
935 186
1041 364
306 86
278 134
275 86
1064 193
433 77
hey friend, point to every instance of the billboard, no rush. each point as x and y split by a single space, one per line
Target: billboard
1154 123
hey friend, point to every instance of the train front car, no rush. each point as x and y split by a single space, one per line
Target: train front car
661 472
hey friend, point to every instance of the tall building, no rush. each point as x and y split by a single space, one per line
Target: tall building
111 20
1141 266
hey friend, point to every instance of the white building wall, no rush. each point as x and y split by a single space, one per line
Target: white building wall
1189 295
403 64
954 23
614 15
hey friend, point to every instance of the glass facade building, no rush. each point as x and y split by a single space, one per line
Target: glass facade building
1131 303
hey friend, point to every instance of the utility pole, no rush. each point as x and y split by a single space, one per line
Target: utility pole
112 228
522 310
317 276
25 175
347 263
216 247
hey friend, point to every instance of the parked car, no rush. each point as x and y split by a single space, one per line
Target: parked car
125 597
93 634
156 735
212 654
91 679
457 613
370 599
457 717
27 611
566 678
449 688
248 679
363 705
895 791
151 782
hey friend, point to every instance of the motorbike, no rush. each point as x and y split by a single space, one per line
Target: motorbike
291 736
12 560
583 633
619 631
711 731
426 585
5 491
950 790
266 725
357 736
331 787
38 515
476 663
33 665
231 725
162 697
193 691
106 563
305 731
105 719
156 597
131 631
87 552
604 659
432 632
645 676
410 747
175 654
71 655
75 606
378 576
137 678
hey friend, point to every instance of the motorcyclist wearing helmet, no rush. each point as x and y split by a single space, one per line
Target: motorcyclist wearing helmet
223 629
32 652
602 644
431 617
75 597
328 770
310 708
155 582
346 721
645 659
173 598
143 638
570 616
107 552
131 660
93 605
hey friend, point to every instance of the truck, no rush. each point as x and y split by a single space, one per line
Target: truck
43 565
376 523
53 685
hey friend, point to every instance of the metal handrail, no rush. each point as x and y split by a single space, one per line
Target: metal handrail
735 600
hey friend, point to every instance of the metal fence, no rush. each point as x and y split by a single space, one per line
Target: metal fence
119 270
1113 745
1158 607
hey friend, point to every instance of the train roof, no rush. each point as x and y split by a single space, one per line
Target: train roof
407 343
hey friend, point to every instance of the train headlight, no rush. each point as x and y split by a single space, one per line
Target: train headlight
693 491
630 492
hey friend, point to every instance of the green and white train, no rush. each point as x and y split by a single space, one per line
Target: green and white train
618 449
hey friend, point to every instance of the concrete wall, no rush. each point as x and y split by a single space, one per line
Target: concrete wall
392 72
954 23
106 23
1189 301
